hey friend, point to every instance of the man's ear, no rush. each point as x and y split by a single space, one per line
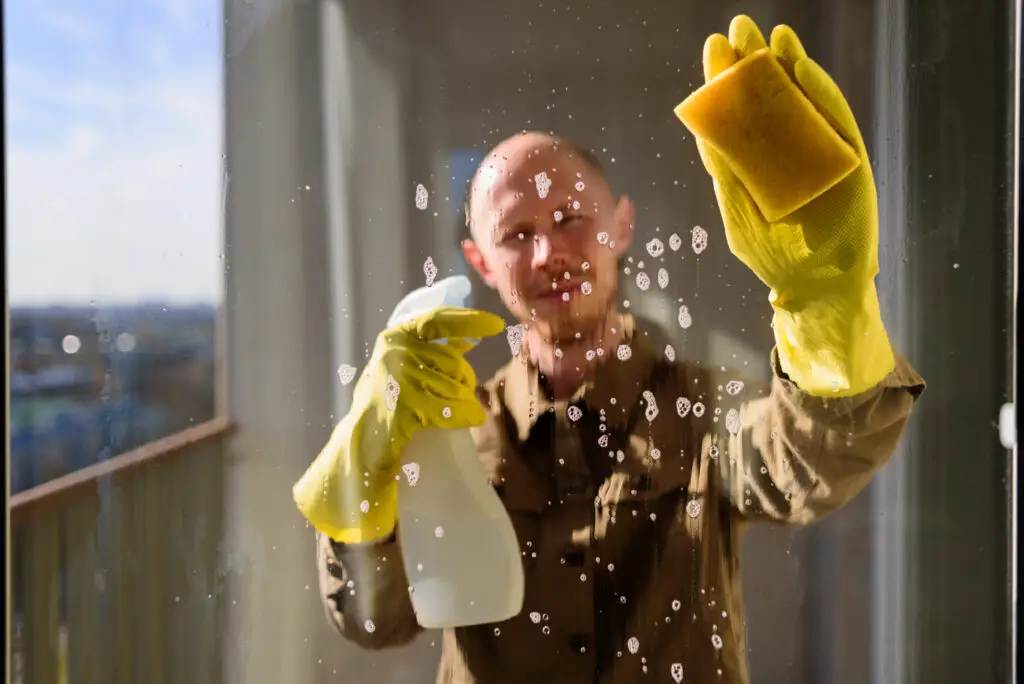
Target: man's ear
625 220
476 259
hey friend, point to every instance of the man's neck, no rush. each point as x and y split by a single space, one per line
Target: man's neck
568 364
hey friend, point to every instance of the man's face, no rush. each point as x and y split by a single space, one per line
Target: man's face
548 234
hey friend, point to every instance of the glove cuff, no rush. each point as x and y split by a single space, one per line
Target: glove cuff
833 346
353 510
349 506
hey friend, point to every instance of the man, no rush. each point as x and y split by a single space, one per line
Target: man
629 477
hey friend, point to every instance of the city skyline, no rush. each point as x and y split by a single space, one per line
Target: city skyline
114 144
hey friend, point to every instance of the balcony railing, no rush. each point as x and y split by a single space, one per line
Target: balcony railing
115 568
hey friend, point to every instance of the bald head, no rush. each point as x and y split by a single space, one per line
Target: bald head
511 155
546 232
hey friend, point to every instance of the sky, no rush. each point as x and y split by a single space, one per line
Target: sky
113 144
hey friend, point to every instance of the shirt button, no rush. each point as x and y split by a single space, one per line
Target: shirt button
579 643
574 557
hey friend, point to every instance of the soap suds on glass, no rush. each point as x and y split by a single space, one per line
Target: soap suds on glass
429 270
346 373
543 184
422 197
699 239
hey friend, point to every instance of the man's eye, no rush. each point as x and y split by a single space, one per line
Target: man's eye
514 236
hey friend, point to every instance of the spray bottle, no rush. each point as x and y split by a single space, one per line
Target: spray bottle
460 550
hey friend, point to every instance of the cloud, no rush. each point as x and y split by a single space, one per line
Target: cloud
68 24
114 174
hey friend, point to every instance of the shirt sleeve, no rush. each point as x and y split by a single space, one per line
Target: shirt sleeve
791 457
365 592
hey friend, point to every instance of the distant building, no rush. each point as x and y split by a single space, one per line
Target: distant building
88 384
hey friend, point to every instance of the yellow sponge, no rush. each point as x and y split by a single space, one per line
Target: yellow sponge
772 137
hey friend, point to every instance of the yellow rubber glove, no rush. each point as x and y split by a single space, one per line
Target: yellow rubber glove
350 490
819 261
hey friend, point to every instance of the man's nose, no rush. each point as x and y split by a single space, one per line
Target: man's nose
549 252
542 250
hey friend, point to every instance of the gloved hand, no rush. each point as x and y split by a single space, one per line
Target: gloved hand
819 261
350 490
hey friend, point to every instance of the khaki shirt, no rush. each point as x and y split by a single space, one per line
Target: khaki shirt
629 501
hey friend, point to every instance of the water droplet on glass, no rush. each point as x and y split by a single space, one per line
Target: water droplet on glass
670 353
497 631
602 441
602 238
655 454
716 641
558 216
364 506
580 186
676 605
535 617
438 531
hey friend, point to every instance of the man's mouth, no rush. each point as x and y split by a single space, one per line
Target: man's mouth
561 290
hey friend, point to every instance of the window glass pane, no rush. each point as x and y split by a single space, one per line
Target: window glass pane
702 445
113 226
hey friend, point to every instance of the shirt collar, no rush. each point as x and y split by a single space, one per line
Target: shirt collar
616 387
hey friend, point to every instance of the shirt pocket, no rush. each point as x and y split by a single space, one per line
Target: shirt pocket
640 484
